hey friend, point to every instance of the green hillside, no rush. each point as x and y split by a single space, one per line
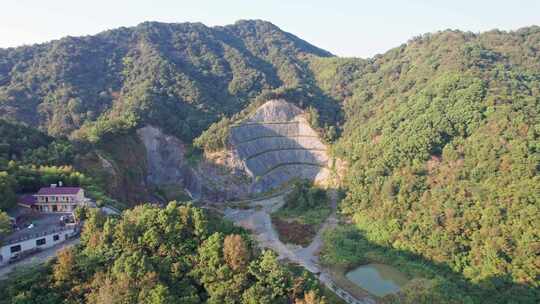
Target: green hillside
30 159
442 141
181 77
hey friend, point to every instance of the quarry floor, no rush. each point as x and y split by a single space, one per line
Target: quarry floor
256 218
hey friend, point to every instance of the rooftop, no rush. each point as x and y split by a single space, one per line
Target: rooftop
42 224
27 199
58 191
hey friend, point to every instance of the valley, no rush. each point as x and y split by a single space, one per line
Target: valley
257 220
250 166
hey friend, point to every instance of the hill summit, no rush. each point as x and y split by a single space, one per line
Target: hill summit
179 76
439 137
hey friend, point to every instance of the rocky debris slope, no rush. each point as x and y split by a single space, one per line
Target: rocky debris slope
276 144
269 148
165 156
169 170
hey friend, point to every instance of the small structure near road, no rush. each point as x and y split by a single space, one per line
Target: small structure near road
34 231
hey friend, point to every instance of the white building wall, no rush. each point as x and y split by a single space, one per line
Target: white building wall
5 250
80 196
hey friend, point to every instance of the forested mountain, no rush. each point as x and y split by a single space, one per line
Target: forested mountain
181 77
440 139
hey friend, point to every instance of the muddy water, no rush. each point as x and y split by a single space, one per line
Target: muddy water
378 279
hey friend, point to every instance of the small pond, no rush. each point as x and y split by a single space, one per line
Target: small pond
378 279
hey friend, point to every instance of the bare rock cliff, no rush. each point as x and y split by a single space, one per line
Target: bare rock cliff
272 146
168 169
165 156
276 144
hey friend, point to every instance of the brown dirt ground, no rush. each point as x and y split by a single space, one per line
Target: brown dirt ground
294 232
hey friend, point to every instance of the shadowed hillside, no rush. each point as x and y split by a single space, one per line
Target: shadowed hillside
440 137
180 77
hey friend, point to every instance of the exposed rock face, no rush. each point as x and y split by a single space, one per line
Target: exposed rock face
276 144
106 165
165 156
220 183
277 110
269 148
168 168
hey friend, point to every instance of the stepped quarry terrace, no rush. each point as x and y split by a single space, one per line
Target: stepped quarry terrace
276 144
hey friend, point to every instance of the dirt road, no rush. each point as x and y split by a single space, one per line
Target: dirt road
257 219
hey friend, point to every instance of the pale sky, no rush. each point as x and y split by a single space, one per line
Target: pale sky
343 27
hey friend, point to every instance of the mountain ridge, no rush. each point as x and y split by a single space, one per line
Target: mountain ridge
439 137
76 80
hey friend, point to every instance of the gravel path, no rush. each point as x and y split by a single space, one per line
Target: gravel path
257 219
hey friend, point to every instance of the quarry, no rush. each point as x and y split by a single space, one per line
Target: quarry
270 147
276 144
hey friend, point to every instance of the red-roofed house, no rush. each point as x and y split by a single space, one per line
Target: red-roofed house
59 199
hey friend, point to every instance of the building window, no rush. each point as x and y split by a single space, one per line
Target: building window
15 248
40 242
56 237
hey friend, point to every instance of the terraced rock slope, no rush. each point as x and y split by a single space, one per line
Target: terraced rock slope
276 144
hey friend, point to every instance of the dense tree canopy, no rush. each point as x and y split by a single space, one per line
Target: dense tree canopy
30 159
442 141
176 254
181 77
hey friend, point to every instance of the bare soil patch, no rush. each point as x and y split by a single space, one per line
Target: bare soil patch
294 232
